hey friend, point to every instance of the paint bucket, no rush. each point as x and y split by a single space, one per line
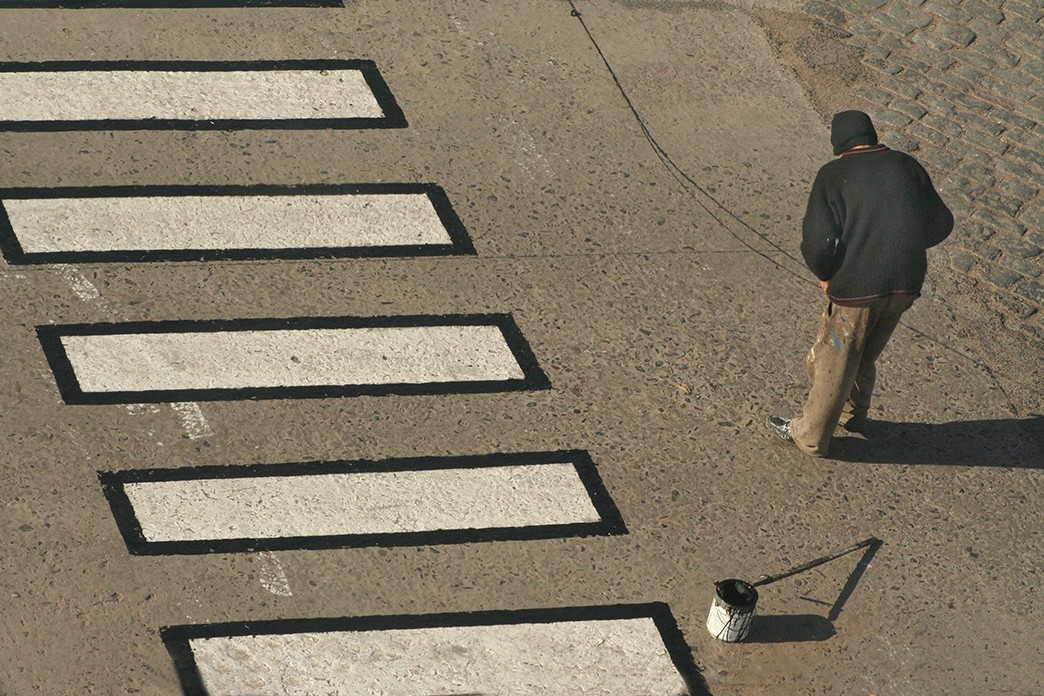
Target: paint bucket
732 610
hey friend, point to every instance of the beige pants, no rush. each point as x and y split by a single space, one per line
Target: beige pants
841 367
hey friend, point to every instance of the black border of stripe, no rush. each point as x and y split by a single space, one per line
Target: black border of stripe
610 523
50 336
177 639
14 253
393 115
161 4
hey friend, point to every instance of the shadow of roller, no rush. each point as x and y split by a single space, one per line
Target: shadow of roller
732 615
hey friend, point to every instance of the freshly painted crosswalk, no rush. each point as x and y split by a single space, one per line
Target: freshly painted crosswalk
399 502
304 357
195 95
581 651
182 223
603 650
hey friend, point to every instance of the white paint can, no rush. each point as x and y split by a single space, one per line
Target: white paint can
732 610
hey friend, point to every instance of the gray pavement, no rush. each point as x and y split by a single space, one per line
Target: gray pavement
669 319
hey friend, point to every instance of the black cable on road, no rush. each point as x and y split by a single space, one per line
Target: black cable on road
691 187
686 182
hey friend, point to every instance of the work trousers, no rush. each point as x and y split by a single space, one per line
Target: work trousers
841 367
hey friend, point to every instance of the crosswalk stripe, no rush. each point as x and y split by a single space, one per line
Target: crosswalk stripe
339 504
581 651
303 357
195 95
182 223
163 4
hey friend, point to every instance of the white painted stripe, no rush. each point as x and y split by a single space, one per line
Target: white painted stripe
609 657
82 95
289 358
361 503
51 225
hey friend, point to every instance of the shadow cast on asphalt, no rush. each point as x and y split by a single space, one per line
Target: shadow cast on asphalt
794 628
697 687
804 628
853 579
1007 442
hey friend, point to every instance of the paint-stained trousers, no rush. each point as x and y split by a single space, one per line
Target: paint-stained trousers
841 367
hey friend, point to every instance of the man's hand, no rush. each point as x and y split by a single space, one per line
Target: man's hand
825 284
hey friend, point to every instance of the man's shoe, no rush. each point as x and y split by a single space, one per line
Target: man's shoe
856 424
781 427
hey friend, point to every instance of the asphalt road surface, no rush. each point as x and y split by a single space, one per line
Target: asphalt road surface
386 348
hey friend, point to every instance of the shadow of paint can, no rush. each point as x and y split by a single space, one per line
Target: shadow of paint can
732 610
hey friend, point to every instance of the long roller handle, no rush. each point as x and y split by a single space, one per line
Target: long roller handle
812 564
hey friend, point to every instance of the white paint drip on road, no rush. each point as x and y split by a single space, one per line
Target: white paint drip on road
528 147
86 95
192 419
607 657
361 503
139 409
280 358
462 30
163 223
79 283
273 576
191 415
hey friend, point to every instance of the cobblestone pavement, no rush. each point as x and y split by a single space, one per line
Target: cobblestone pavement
958 82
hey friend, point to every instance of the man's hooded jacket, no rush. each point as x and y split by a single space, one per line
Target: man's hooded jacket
871 215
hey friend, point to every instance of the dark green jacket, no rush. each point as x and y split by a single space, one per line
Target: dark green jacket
871 215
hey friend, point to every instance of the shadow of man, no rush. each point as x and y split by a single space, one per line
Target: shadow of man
1006 442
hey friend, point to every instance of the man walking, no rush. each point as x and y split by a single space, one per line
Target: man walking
871 215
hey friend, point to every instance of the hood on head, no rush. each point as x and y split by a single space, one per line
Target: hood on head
851 128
